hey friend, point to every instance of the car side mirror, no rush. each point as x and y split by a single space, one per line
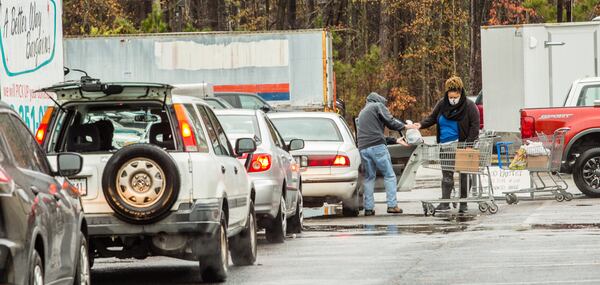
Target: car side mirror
245 145
596 103
69 164
266 108
296 144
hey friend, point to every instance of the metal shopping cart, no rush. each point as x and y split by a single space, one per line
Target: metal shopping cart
542 156
468 158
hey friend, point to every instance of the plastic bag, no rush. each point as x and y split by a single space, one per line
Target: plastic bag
535 149
413 136
519 162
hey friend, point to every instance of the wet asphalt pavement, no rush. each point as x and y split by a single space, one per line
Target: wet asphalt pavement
533 242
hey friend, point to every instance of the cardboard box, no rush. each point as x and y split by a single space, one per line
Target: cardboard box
536 162
467 160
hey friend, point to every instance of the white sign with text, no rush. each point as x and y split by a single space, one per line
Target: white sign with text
32 54
508 180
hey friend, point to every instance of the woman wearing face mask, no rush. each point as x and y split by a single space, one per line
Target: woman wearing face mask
457 120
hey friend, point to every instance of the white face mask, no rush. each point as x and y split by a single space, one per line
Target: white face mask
454 101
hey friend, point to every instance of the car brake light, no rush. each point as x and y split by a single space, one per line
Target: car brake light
341 160
527 127
185 127
40 135
260 162
328 160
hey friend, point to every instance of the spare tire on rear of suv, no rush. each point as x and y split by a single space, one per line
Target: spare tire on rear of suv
141 183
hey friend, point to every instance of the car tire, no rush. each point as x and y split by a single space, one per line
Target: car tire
586 173
141 183
214 268
244 245
296 222
37 269
276 232
351 207
82 274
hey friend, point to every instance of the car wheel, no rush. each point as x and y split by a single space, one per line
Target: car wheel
213 268
276 232
586 172
37 270
141 183
244 245
351 207
82 274
296 222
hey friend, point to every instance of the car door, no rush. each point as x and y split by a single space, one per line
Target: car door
67 202
285 159
230 167
42 193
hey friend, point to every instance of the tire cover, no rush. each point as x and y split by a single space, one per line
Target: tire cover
163 204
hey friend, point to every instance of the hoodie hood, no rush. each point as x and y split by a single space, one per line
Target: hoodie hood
376 98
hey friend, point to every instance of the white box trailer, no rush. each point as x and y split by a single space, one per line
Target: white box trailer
529 66
289 69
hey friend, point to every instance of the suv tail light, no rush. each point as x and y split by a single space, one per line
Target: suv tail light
40 135
328 160
186 128
527 127
260 162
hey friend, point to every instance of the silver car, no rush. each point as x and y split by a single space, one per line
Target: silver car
274 172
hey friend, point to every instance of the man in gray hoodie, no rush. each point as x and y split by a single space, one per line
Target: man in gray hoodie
372 120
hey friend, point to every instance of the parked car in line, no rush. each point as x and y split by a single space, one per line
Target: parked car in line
330 158
217 103
275 173
177 191
42 225
242 100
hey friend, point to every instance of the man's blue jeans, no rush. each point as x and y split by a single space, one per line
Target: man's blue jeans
378 158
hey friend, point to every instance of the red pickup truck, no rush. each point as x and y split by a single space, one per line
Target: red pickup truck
582 143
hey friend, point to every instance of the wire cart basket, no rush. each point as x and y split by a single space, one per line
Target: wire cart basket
464 158
542 156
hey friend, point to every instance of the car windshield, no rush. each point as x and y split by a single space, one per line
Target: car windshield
308 129
240 125
101 128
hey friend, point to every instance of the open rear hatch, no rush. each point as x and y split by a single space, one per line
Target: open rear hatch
89 89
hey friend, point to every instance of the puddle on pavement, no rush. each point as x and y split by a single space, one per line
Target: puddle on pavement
457 218
565 226
382 230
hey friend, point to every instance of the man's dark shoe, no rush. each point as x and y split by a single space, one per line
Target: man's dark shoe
442 207
369 213
463 208
394 210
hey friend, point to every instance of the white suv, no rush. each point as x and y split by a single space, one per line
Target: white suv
160 176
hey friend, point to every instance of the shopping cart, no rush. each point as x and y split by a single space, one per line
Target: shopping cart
461 157
542 156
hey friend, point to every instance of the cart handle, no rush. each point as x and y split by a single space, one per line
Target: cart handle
502 146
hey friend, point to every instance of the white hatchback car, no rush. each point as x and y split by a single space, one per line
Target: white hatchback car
275 174
330 158
160 176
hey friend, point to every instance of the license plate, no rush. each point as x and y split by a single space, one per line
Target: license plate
80 184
